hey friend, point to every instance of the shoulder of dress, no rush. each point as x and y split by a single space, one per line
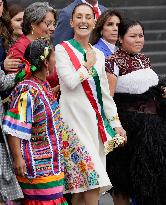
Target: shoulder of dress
24 87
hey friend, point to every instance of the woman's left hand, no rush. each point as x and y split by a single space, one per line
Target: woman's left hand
121 132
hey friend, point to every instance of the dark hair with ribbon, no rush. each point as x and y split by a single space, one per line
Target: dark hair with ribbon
35 55
81 4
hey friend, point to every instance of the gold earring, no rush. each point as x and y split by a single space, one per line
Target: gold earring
32 31
47 73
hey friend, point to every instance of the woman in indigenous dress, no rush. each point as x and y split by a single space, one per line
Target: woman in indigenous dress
33 125
89 113
138 169
105 36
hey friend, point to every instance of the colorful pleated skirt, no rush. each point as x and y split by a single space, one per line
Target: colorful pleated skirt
43 190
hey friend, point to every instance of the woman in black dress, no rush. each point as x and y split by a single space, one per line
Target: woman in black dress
138 170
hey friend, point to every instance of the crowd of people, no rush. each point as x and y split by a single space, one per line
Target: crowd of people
82 110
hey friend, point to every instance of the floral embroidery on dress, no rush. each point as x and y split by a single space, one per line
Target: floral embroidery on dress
78 165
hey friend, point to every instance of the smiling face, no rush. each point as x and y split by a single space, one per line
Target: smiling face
110 29
46 27
83 21
133 41
16 22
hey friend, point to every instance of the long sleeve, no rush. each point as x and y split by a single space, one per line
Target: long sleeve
18 48
66 72
6 81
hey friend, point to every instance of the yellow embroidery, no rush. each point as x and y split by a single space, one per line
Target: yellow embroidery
91 72
115 118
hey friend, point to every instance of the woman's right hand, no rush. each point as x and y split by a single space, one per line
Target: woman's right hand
91 58
19 166
11 64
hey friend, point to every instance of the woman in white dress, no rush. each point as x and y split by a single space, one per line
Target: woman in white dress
89 113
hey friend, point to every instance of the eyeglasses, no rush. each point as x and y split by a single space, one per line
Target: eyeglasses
49 24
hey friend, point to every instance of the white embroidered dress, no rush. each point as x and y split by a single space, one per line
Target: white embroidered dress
86 167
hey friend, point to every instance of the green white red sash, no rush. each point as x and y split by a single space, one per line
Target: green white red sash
93 91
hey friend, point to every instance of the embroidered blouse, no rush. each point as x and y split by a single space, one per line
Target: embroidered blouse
135 75
34 117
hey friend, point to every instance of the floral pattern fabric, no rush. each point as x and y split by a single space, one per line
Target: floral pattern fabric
78 165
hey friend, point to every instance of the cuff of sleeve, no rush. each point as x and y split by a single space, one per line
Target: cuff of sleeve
115 122
83 73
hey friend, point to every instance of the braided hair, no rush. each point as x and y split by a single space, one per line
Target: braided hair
37 51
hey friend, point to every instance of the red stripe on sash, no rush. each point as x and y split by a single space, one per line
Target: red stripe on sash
76 63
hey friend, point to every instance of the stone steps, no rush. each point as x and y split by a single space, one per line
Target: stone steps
159 68
156 57
157 45
126 3
152 14
154 24
144 13
155 35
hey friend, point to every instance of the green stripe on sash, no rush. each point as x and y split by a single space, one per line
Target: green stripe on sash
96 79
